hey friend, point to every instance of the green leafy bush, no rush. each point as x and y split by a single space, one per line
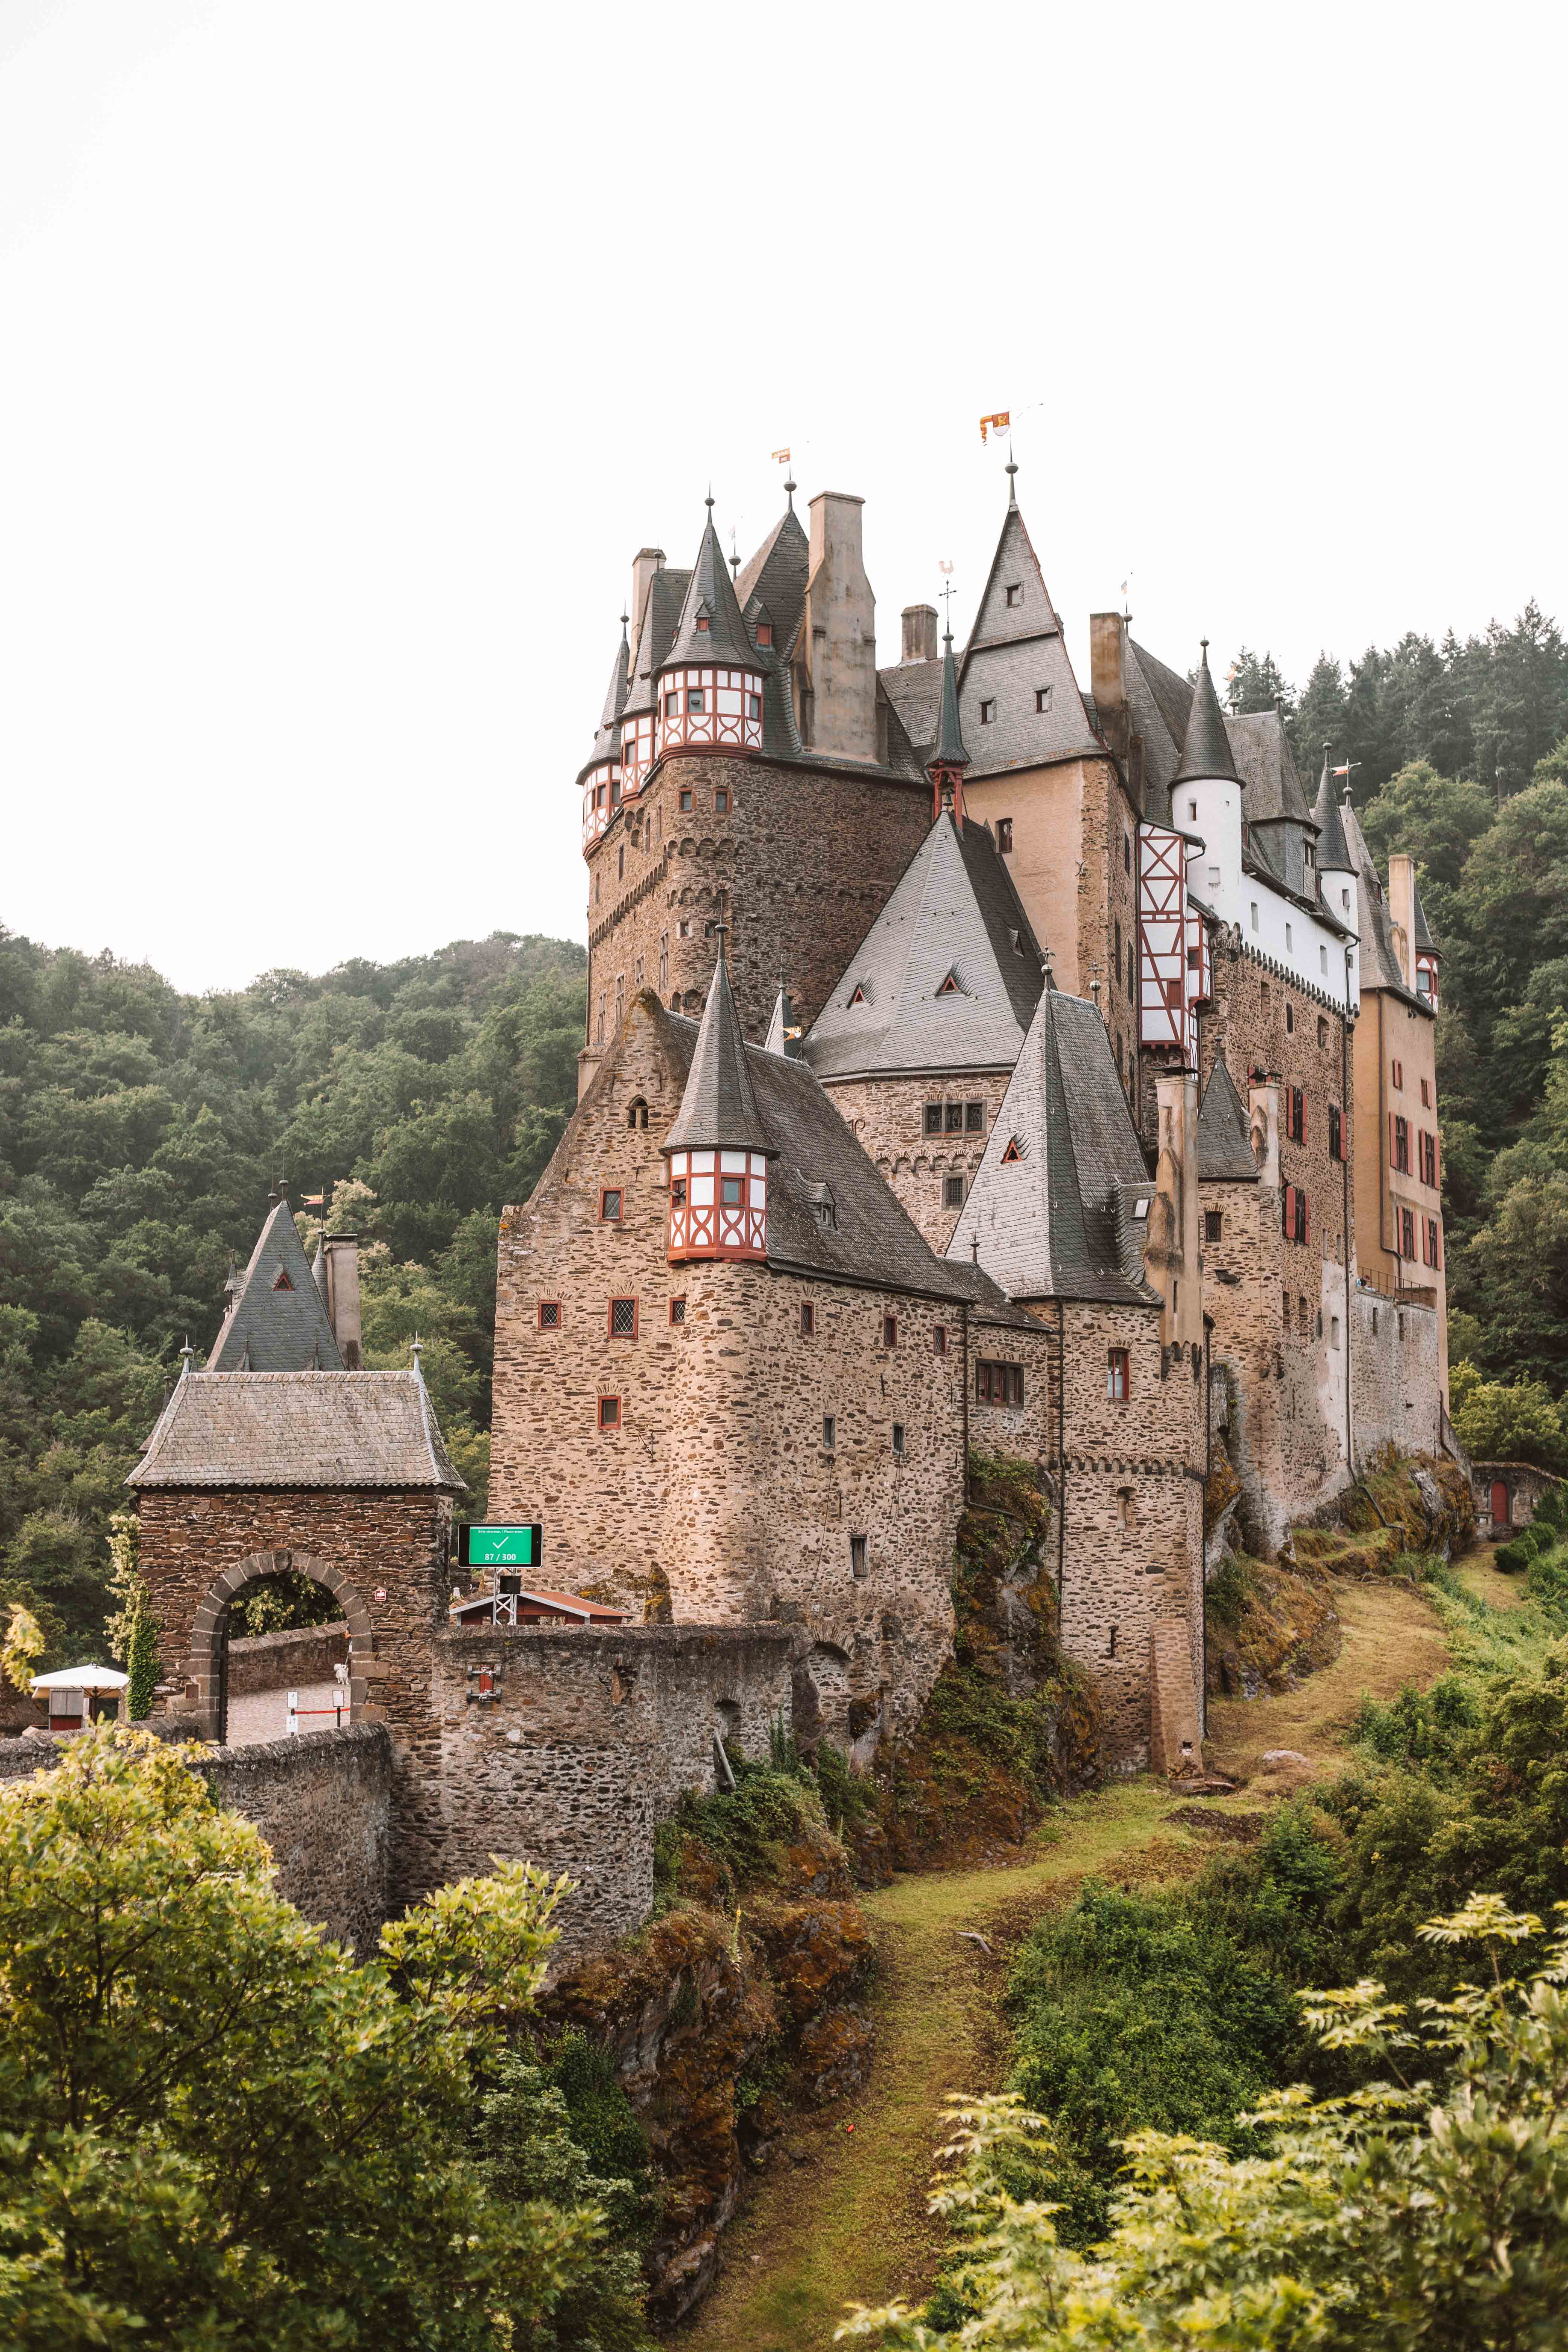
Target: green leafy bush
1512 1558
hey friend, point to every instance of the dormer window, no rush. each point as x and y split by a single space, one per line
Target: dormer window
857 998
704 624
1042 697
987 713
951 986
1014 595
1015 1151
282 1282
765 633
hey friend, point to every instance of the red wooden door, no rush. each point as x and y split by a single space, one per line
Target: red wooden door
1499 1504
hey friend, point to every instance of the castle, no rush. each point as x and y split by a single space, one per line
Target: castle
974 1062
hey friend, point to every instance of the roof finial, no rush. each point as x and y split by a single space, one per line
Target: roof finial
187 1357
417 1347
708 502
789 493
735 558
974 1249
1010 468
1204 643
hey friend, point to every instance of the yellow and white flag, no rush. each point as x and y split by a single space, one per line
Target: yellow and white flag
781 457
1001 422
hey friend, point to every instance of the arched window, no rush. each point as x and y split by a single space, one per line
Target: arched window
636 1112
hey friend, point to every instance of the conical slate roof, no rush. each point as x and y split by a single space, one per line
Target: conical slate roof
784 1030
1225 1150
1016 661
710 591
277 1322
947 978
654 628
1051 1205
948 751
1424 938
607 740
1333 851
1206 751
719 1109
775 578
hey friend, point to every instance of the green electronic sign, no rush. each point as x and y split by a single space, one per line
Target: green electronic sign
492 1546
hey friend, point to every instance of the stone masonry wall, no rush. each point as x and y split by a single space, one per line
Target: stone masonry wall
1131 1512
324 1803
716 1496
387 1555
1287 1431
1395 1376
585 1744
267 1661
807 858
888 1116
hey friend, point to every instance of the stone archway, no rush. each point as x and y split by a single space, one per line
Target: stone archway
204 1661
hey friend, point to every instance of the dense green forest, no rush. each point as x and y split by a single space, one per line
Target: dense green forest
141 1132
141 1129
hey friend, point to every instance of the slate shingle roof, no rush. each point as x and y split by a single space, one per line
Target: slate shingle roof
298 1429
1205 744
1224 1154
1333 851
1380 966
1262 754
269 1329
1014 651
718 1109
1424 938
656 629
954 907
775 577
607 740
1055 1222
948 751
710 592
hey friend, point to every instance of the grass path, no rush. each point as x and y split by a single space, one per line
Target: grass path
840 2214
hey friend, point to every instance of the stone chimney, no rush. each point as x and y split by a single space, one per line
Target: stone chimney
340 1258
645 563
1263 1123
841 632
1108 678
920 633
1401 913
1170 1258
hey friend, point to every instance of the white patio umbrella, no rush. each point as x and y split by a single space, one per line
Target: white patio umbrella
91 1678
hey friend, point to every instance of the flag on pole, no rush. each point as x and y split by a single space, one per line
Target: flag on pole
1001 422
1340 772
781 457
314 1201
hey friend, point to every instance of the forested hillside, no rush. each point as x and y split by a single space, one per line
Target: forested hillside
140 1133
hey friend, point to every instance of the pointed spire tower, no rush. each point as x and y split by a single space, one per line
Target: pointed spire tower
1336 864
717 1148
948 759
600 777
709 696
1205 799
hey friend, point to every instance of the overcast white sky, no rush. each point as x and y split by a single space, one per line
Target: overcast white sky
351 349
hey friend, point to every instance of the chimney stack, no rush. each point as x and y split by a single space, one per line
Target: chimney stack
340 1258
1108 678
645 563
841 632
1401 913
920 633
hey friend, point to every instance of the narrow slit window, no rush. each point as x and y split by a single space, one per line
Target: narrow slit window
807 1320
829 1433
897 1437
858 1556
890 1330
1116 1375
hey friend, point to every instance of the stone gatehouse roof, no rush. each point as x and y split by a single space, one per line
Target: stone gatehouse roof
298 1429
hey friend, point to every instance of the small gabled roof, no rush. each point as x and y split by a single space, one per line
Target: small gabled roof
1261 750
1225 1150
1053 1201
277 1322
1206 745
783 1029
1333 851
948 751
953 909
711 593
1015 651
1424 938
655 627
719 1109
298 1429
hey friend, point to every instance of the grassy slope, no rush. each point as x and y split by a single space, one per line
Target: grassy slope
842 2216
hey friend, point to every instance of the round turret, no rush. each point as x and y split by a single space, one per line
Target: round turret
718 1147
709 694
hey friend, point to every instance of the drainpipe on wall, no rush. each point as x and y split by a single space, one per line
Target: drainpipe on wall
1061 1456
963 1342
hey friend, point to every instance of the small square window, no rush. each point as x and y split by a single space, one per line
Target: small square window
686 806
677 1309
1214 1224
623 1318
987 713
1290 1019
1426 1094
829 1433
610 1207
695 699
704 624
550 1314
897 1437
1042 697
953 1192
609 1412
890 1330
1004 835
671 705
720 801
807 1320
933 1119
939 1340
765 633
974 1119
858 1556
1191 812
1014 594
732 1191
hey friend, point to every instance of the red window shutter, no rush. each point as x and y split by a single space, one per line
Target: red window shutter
1306 1219
1288 1219
1391 1139
1302 1138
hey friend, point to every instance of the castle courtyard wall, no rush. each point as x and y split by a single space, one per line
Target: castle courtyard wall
887 1115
